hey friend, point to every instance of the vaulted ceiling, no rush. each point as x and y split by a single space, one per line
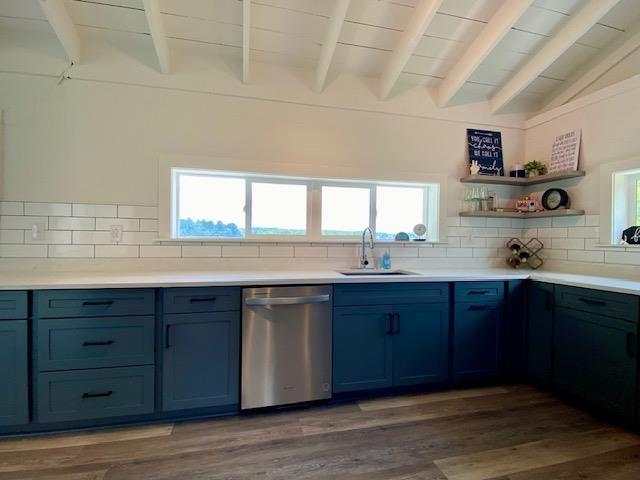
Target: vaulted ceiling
462 50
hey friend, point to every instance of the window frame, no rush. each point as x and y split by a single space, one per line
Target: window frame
431 193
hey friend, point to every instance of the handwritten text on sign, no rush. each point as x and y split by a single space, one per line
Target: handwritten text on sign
565 152
485 147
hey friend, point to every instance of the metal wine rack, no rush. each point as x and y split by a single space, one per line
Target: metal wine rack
531 248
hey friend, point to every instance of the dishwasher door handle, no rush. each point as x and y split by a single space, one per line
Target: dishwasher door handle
287 300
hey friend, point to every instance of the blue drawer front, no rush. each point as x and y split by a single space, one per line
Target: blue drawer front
100 393
609 304
94 303
471 292
77 343
13 305
390 293
201 299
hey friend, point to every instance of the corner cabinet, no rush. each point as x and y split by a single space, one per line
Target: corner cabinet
200 348
404 342
540 331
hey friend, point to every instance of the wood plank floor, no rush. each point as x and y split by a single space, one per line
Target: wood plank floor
499 433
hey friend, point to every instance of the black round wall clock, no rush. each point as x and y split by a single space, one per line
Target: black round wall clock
555 198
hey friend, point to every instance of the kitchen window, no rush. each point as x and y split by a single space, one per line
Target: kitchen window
626 202
230 205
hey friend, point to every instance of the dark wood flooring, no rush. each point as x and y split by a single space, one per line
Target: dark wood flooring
500 433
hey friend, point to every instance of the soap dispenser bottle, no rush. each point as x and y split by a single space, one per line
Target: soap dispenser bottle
385 263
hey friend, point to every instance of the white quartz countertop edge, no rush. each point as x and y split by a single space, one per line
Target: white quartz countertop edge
79 280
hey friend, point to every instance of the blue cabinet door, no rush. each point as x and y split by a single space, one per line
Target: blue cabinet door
362 348
14 407
477 340
540 330
420 344
201 360
595 359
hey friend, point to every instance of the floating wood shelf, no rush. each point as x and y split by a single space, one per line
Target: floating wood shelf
545 214
522 182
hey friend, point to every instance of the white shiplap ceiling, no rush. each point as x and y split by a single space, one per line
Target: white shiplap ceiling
292 32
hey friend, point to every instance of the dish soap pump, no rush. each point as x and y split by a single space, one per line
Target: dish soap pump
385 263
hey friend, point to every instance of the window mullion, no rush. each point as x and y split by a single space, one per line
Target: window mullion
247 208
314 211
373 213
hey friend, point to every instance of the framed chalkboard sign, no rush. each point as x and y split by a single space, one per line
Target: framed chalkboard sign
485 147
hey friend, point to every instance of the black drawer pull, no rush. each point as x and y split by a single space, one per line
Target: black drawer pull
166 336
631 348
97 303
202 300
480 307
479 292
397 315
98 344
97 395
389 317
591 301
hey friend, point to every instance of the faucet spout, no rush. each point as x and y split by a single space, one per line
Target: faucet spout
364 260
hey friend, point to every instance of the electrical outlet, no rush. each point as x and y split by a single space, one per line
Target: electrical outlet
37 231
116 233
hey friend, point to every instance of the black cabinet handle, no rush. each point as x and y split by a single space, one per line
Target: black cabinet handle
97 395
480 307
631 348
397 317
202 300
478 292
548 301
98 344
97 303
389 317
591 301
166 336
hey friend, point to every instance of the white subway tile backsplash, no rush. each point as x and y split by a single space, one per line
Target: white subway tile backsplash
511 232
552 232
517 222
552 254
585 256
21 222
91 238
453 221
160 251
584 232
240 252
128 224
568 243
117 251
473 222
11 236
538 222
148 225
459 252
338 252
403 252
23 251
431 252
11 208
484 232
568 221
276 251
51 237
459 231
197 251
138 238
311 252
71 251
72 223
131 211
50 209
485 252
592 220
624 258
91 210
499 222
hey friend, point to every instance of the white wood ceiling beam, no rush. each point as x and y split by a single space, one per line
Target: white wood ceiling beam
559 43
246 40
64 28
422 16
330 42
158 35
493 32
604 61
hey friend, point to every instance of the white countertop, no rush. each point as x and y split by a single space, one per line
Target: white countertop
150 279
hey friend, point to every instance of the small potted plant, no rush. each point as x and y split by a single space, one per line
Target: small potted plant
535 168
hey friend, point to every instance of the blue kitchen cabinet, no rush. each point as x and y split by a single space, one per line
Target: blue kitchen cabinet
362 348
14 406
201 360
477 340
420 344
595 359
540 331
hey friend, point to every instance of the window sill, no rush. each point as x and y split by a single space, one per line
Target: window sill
615 245
338 241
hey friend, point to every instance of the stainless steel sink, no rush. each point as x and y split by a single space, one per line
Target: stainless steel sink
373 272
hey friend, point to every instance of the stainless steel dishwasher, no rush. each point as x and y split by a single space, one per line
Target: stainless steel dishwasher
286 345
